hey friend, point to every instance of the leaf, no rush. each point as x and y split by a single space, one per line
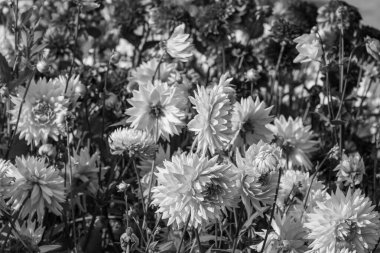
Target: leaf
248 222
122 122
24 76
165 246
337 122
49 248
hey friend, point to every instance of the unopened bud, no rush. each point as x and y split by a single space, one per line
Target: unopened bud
47 150
43 66
115 58
373 48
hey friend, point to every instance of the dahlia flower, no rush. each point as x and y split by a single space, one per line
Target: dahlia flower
296 139
75 87
287 236
294 187
308 47
212 125
343 222
350 169
195 187
144 73
248 121
36 186
85 170
133 142
179 45
156 109
43 113
259 172
30 233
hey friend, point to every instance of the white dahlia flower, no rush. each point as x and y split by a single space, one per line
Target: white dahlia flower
296 140
287 236
179 45
156 108
350 170
259 172
43 113
36 187
195 187
212 125
133 142
30 233
343 222
249 120
294 187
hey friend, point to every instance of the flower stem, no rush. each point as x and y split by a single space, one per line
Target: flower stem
198 240
183 233
273 208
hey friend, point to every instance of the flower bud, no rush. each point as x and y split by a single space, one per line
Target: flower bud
115 57
111 100
43 66
47 150
373 48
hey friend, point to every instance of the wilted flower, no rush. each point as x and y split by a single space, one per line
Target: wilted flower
47 150
144 73
350 169
294 187
373 48
156 109
308 47
296 140
287 236
194 188
43 113
343 222
85 170
212 125
30 233
248 121
132 142
179 45
36 186
259 171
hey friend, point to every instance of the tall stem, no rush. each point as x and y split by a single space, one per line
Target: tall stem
183 233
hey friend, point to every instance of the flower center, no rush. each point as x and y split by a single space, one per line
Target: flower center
43 112
212 192
345 233
156 111
247 127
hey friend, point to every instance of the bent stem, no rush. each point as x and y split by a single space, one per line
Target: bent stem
273 208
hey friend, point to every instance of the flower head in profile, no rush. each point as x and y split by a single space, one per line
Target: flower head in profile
134 142
350 169
75 87
296 140
179 45
287 236
259 171
343 222
212 125
85 170
5 183
37 186
43 113
30 233
193 187
249 120
144 73
308 47
294 187
156 108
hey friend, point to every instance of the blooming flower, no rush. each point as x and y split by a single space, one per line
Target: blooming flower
43 113
85 170
193 187
36 186
308 47
350 169
30 233
287 236
294 187
343 222
75 87
179 44
132 142
258 174
212 125
249 119
296 140
156 109
373 48
144 73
